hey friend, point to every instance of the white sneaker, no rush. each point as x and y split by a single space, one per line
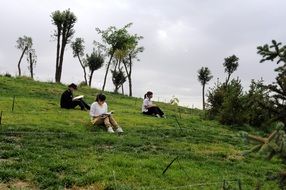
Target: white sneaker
119 130
157 115
110 130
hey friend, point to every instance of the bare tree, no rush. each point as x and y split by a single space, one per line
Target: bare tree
128 63
32 59
78 51
24 44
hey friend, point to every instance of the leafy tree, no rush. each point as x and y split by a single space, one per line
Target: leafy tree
204 76
119 55
118 78
230 64
24 44
64 22
94 62
115 39
215 99
255 101
232 110
227 103
278 88
32 59
133 52
78 51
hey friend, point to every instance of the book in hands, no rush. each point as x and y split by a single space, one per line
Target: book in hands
78 97
106 114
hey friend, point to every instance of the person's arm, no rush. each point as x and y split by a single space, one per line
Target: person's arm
148 104
105 111
92 111
106 108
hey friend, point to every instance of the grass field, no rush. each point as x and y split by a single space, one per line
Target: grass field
45 147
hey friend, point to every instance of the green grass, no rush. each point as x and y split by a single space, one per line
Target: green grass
45 147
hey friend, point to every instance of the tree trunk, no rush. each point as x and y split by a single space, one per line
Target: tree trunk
90 78
62 52
128 73
228 77
31 66
122 89
116 89
84 72
58 52
19 68
129 76
108 64
130 85
203 97
116 64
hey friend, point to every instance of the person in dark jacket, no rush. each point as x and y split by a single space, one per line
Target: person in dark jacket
68 102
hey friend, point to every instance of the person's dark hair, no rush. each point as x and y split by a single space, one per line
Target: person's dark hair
148 94
100 97
72 85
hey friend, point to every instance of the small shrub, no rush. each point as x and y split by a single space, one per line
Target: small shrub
82 83
226 103
8 75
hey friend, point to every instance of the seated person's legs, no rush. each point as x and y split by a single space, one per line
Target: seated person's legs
115 125
159 111
83 104
76 103
97 121
151 111
112 125
80 103
108 125
154 111
113 122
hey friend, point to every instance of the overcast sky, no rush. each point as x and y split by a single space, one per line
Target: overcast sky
180 36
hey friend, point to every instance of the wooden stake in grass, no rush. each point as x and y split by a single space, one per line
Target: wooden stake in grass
114 178
169 165
1 117
13 103
239 184
224 186
178 123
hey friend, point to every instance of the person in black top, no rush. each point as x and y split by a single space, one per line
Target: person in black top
68 102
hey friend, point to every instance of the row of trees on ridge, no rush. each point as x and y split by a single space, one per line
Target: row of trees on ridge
118 46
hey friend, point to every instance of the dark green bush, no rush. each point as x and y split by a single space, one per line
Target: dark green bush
227 103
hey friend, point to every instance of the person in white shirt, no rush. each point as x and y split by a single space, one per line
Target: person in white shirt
149 108
99 115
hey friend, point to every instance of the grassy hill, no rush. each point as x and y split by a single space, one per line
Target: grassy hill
45 147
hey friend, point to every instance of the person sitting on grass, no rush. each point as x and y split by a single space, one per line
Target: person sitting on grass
99 115
149 108
69 102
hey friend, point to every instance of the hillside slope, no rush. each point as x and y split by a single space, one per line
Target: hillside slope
45 147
